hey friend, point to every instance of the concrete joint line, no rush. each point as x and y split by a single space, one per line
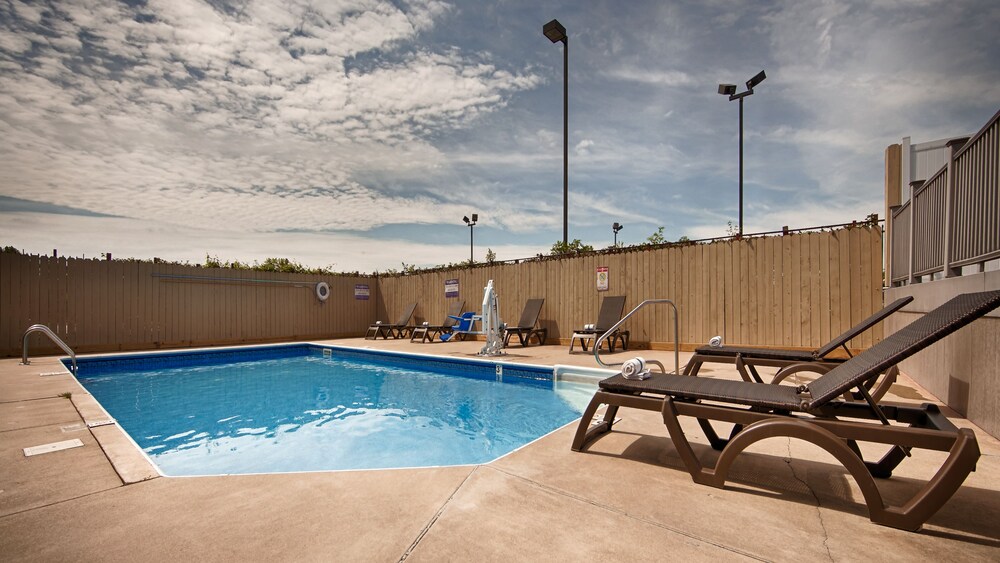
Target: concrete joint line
98 442
437 515
627 514
819 505
56 503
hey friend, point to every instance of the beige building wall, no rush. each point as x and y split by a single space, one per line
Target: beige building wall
963 370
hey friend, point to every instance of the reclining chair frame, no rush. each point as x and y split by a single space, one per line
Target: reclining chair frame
759 411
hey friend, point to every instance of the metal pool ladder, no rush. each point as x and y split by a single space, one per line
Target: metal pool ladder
677 355
52 336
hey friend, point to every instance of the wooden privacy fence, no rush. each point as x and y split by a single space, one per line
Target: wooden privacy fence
97 306
797 290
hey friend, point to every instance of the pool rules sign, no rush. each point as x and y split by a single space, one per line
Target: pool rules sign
602 278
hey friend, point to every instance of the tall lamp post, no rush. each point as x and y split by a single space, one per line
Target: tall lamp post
617 227
471 224
730 90
556 33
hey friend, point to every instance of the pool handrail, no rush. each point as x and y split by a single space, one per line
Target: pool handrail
603 337
52 336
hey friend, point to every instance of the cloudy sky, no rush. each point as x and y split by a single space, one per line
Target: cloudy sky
357 133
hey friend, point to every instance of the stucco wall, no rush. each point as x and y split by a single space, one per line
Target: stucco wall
963 370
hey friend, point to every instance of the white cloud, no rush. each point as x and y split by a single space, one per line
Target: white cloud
202 117
264 115
671 78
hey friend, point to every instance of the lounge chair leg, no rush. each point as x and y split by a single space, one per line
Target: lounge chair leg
883 467
712 435
698 473
585 432
961 461
910 516
693 366
743 367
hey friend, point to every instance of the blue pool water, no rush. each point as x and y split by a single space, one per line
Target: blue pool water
292 408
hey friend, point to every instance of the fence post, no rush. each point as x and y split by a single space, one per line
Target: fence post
914 186
890 234
954 146
893 197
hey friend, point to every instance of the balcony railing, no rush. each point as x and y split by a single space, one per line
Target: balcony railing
953 219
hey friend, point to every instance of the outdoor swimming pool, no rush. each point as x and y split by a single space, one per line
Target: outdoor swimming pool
311 408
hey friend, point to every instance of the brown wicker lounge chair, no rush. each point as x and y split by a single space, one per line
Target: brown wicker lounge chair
747 358
611 312
525 328
813 413
426 332
399 329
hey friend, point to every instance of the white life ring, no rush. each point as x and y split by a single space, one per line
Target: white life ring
322 291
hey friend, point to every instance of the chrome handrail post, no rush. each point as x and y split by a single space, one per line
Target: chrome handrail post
52 336
677 354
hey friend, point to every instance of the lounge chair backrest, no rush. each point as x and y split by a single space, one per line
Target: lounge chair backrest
453 311
909 340
529 316
863 326
611 312
407 313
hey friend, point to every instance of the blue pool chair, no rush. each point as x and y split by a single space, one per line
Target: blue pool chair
463 327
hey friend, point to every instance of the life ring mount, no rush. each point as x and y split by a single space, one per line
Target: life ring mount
322 291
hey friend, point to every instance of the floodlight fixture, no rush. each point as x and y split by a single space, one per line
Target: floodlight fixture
757 79
471 224
617 227
557 33
730 90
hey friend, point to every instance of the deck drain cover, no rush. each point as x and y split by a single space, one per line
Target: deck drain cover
104 422
53 447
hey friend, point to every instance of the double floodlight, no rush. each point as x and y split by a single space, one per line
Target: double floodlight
617 227
730 89
475 217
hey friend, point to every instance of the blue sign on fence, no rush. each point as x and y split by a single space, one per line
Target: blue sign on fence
451 288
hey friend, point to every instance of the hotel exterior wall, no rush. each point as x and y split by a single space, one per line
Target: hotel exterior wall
963 370
797 290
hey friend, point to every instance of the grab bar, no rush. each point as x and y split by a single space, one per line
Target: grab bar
52 336
677 338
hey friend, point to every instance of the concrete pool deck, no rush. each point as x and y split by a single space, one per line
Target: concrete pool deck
628 498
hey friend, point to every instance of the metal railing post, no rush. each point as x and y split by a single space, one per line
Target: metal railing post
914 186
52 336
677 338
